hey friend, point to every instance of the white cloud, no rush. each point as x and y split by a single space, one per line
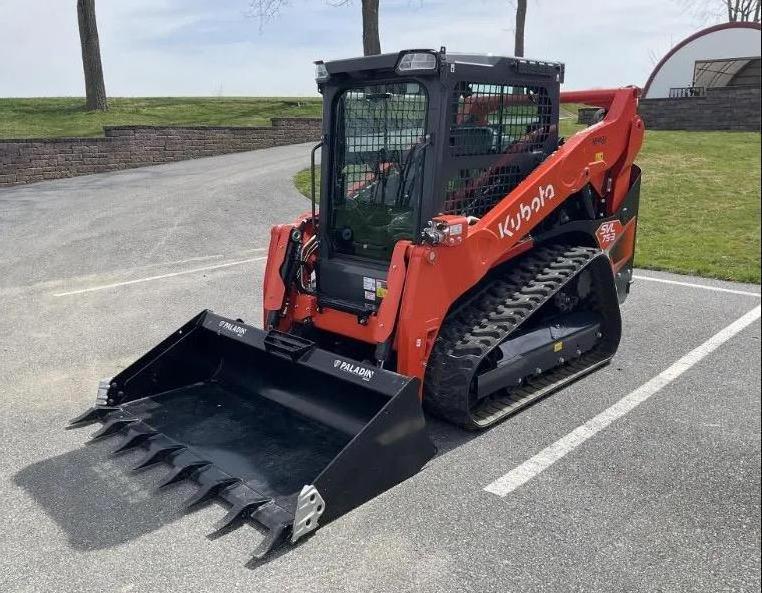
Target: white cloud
196 47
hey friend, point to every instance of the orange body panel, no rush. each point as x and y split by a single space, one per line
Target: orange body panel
425 280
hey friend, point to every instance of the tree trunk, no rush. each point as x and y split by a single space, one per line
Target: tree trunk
95 89
371 43
521 17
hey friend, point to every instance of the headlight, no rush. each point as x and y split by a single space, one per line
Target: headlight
321 72
417 61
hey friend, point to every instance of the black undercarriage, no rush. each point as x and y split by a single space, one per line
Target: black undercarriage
527 330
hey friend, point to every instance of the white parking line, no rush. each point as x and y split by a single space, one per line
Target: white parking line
159 277
704 286
565 445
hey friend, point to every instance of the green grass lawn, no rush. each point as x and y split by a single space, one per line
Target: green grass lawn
303 182
700 203
66 116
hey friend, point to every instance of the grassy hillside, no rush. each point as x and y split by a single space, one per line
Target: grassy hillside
66 116
700 203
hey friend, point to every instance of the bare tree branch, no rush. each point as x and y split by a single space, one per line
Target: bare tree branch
731 10
267 10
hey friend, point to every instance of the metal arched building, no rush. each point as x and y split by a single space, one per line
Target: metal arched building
710 80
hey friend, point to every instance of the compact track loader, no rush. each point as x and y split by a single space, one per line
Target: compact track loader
465 260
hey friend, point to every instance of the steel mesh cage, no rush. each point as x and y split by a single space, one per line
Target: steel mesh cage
378 176
379 124
499 126
474 191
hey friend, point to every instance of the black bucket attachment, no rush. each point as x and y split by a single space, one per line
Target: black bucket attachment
287 434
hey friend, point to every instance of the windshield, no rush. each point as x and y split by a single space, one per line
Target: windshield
378 172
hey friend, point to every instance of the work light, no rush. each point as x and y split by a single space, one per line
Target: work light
417 61
321 72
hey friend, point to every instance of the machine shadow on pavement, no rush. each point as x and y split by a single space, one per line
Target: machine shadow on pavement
96 500
446 436
100 503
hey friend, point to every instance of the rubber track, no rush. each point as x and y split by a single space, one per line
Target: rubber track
484 319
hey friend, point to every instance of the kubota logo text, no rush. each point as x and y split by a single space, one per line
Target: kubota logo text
354 369
231 327
513 221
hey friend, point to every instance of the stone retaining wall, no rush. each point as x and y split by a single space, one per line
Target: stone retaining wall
125 147
728 108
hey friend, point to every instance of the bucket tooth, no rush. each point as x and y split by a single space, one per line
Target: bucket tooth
209 491
236 516
155 455
94 414
111 427
184 472
133 440
274 537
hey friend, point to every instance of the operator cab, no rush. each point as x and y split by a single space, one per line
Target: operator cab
414 134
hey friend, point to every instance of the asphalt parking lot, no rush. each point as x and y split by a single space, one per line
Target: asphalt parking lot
659 493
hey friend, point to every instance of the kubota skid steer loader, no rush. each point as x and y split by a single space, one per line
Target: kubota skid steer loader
465 259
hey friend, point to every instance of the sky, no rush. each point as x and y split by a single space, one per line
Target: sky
218 48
